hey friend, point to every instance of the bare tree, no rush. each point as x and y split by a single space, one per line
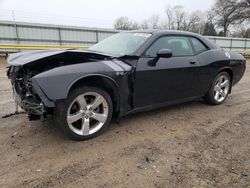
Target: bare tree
247 33
209 29
151 23
225 14
245 7
123 23
154 21
228 13
144 25
175 17
194 22
170 19
134 25
242 32
179 16
240 3
210 16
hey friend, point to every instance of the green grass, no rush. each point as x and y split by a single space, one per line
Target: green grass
245 52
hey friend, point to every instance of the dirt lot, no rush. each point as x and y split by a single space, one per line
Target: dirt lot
2 59
188 145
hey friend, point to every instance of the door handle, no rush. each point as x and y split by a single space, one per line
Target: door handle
192 62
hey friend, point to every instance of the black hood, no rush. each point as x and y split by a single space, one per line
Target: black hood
23 58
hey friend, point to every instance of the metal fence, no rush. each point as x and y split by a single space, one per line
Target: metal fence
229 43
36 36
52 35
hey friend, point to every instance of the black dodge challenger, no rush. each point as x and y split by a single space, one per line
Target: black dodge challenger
125 73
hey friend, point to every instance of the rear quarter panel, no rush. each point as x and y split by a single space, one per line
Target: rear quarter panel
214 61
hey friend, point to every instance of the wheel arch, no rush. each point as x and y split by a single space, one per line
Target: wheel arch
101 81
230 72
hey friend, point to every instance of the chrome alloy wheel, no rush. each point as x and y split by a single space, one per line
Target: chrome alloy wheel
221 88
87 113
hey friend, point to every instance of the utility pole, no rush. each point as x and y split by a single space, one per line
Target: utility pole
15 26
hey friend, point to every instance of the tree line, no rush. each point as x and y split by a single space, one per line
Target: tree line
225 18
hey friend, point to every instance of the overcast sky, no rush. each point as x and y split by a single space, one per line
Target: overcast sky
91 13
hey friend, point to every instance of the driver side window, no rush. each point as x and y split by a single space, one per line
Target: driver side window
179 45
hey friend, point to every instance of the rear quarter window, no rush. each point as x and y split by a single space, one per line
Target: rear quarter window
198 46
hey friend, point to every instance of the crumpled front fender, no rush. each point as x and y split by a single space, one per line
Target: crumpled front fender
54 84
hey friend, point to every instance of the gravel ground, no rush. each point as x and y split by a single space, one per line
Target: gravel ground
188 145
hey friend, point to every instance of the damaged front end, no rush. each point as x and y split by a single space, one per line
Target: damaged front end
24 93
36 87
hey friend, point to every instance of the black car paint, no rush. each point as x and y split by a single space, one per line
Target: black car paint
136 85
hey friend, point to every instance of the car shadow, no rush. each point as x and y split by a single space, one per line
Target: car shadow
166 109
53 130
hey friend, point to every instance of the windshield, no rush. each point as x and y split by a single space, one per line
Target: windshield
121 43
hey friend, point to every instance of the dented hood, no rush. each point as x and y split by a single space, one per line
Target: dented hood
23 58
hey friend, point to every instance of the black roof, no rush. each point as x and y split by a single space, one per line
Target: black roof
158 32
162 31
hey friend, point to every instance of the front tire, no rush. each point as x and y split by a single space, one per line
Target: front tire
85 114
219 90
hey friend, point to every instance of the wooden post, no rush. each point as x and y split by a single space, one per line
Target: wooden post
60 36
97 37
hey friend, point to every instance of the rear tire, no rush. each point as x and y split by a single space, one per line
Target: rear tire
85 114
219 90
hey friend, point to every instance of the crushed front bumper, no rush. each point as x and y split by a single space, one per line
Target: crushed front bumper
30 107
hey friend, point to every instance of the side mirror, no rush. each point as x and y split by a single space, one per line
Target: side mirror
163 53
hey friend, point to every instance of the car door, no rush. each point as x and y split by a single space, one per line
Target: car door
171 78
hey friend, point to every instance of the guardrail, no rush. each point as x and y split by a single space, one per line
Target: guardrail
21 33
21 47
37 47
18 36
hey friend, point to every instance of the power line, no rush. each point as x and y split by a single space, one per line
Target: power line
38 17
